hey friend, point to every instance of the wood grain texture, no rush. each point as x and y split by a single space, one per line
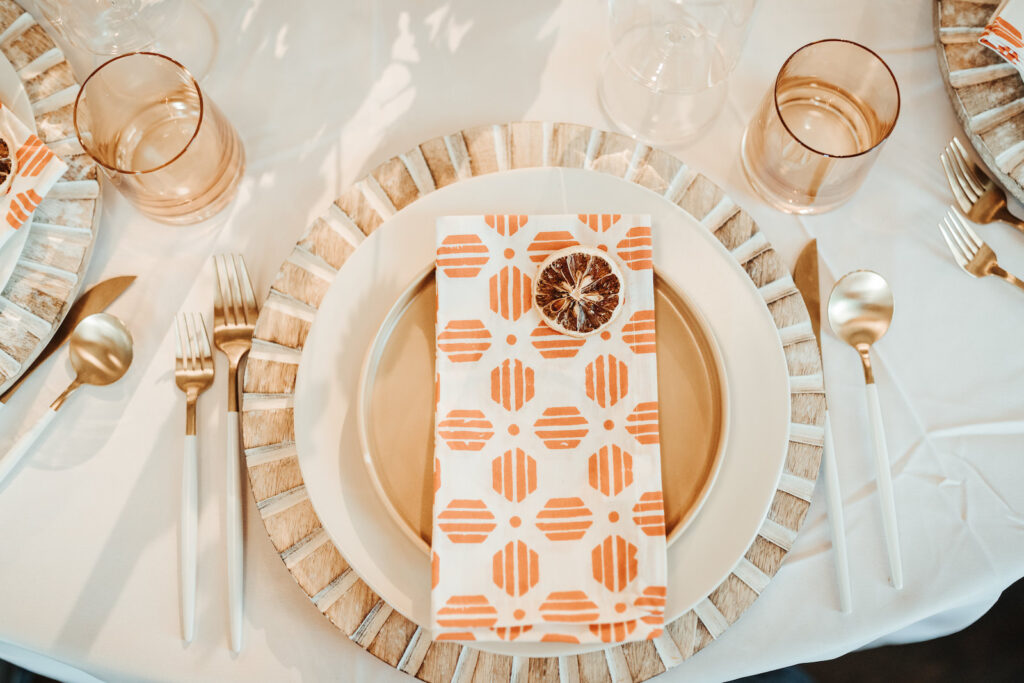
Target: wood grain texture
48 275
987 92
268 423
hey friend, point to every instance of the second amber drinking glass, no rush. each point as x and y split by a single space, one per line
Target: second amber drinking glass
162 142
819 129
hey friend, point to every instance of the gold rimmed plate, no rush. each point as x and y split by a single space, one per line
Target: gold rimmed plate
396 399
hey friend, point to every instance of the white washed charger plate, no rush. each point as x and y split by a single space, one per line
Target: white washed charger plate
686 254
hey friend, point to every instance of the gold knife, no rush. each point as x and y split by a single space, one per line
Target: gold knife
805 275
96 299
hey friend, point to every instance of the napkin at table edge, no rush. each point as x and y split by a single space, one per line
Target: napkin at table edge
1003 34
37 169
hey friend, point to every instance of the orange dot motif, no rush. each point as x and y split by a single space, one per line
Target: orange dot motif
569 607
505 225
514 568
607 380
553 344
510 293
464 341
467 611
636 249
614 563
564 519
642 423
650 514
461 256
599 222
610 470
548 242
638 333
514 475
465 430
561 427
509 253
512 384
466 521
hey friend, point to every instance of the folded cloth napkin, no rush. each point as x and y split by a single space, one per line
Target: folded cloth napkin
28 169
1003 33
548 515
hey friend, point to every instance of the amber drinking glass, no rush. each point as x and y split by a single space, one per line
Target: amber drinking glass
820 128
161 141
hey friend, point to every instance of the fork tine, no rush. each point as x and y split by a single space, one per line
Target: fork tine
180 360
954 184
953 248
204 341
972 236
961 176
219 311
193 346
958 237
970 168
248 298
234 291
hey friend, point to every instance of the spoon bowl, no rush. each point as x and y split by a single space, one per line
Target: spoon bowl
860 308
100 349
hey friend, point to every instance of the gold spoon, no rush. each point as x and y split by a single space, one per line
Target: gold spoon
859 310
101 351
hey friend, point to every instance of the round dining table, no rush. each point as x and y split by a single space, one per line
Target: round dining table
321 92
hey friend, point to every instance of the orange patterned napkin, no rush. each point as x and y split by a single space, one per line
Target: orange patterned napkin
548 516
1003 33
36 168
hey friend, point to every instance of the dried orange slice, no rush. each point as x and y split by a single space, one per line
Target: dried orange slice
8 166
578 291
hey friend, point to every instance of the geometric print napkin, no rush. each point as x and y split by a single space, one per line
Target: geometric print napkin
548 520
36 168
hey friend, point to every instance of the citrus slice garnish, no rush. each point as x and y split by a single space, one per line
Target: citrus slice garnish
8 166
578 291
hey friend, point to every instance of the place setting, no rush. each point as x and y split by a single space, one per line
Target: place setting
531 400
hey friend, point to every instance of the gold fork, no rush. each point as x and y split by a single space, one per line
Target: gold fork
971 254
193 373
977 195
234 319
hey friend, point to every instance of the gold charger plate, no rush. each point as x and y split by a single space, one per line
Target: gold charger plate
396 399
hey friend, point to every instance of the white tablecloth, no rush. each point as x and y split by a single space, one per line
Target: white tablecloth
321 92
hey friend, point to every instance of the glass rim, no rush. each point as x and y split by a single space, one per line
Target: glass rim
188 143
892 76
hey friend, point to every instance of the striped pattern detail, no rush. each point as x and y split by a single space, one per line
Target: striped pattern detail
512 384
714 621
638 333
466 521
33 156
610 470
505 225
777 534
510 292
613 633
607 380
461 256
564 519
652 601
797 486
614 563
561 428
466 611
465 430
553 344
514 568
548 242
650 514
720 214
510 632
514 475
636 250
22 206
599 222
464 341
750 574
642 423
568 607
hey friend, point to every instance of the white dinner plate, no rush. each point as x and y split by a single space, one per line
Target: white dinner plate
326 401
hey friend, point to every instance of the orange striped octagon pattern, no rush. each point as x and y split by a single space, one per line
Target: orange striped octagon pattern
614 563
638 333
599 222
569 607
466 611
466 521
548 242
642 423
553 344
614 633
561 428
465 430
511 632
636 249
607 380
610 470
464 341
652 600
514 475
505 225
514 568
564 519
510 291
650 514
512 384
462 255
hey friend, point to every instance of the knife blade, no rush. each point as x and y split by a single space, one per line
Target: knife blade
94 300
805 275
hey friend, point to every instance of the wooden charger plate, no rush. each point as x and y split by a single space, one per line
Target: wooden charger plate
44 276
268 421
399 372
